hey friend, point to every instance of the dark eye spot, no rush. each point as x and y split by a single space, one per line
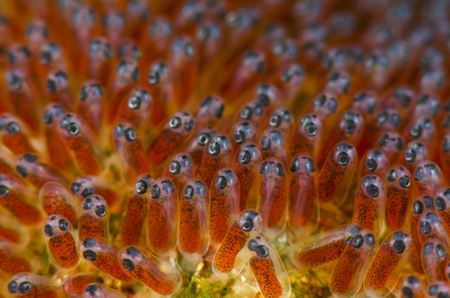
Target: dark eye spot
89 242
440 204
410 155
264 99
295 165
174 167
22 171
309 164
399 246
51 86
188 125
48 230
440 250
221 182
73 129
311 129
91 290
371 165
4 191
13 127
13 287
214 148
433 290
262 251
275 121
75 187
416 130
130 135
100 210
445 145
25 287
155 191
63 224
239 137
418 207
372 191
87 204
153 77
134 102
132 251
404 182
141 187
425 227
419 174
383 141
343 159
247 225
46 57
279 170
246 113
128 264
392 175
358 241
90 255
369 239
265 143
175 122
245 157
349 126
188 192
203 139
48 117
87 192
252 245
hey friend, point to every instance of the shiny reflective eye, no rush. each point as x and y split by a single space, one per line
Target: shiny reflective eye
188 192
311 129
262 251
134 102
343 159
358 241
245 157
174 167
221 182
392 175
239 137
141 187
130 135
100 210
279 169
214 148
372 191
203 139
25 287
175 122
73 129
275 121
247 224
63 224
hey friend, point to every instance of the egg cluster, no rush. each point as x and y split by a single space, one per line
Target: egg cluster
224 148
